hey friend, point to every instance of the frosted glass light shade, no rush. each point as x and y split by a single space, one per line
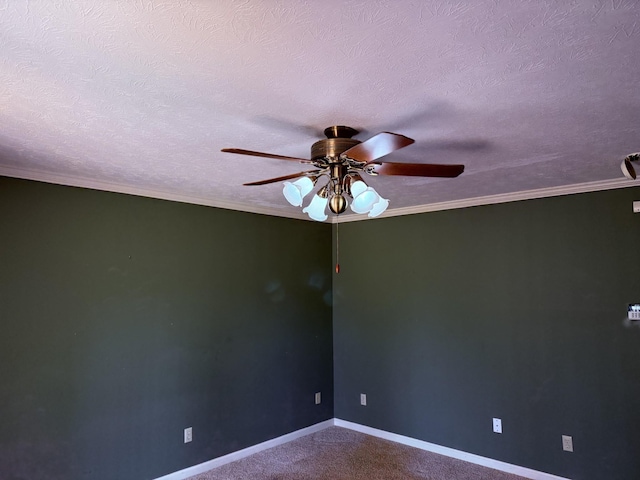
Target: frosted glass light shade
294 192
363 200
357 188
379 207
316 208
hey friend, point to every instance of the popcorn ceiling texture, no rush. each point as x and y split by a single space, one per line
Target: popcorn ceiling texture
144 94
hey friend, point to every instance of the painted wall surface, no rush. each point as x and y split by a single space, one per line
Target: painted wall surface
126 319
515 311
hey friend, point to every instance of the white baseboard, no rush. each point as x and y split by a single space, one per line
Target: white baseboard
232 457
449 452
412 442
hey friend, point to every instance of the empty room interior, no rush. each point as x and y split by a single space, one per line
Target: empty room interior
154 278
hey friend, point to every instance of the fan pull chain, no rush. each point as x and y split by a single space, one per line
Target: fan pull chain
337 246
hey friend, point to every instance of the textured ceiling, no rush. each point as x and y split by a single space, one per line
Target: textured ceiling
142 95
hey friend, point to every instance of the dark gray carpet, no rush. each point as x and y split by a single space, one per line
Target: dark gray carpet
341 454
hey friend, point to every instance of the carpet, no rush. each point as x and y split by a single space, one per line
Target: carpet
341 454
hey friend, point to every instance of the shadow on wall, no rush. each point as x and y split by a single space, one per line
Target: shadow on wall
277 293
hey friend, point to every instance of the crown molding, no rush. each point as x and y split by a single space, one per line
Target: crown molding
500 198
73 181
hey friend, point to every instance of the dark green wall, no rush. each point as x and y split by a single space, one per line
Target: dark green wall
126 319
515 311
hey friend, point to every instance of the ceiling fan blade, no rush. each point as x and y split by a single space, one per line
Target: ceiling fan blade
377 146
418 169
266 155
280 179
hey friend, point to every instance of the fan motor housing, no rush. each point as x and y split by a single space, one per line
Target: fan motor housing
338 140
331 148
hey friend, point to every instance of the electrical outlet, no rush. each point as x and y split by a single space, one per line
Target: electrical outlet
318 398
188 434
636 207
363 399
497 425
567 443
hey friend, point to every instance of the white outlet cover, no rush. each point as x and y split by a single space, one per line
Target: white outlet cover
318 398
636 207
188 434
497 425
363 399
567 443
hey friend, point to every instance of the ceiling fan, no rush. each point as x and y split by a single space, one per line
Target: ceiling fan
343 160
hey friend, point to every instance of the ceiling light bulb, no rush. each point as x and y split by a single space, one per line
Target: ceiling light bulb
294 192
316 208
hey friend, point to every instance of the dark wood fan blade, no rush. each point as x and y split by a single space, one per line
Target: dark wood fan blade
280 179
266 155
378 146
418 169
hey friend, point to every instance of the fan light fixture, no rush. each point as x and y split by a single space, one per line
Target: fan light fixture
316 208
342 159
294 192
367 200
364 199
